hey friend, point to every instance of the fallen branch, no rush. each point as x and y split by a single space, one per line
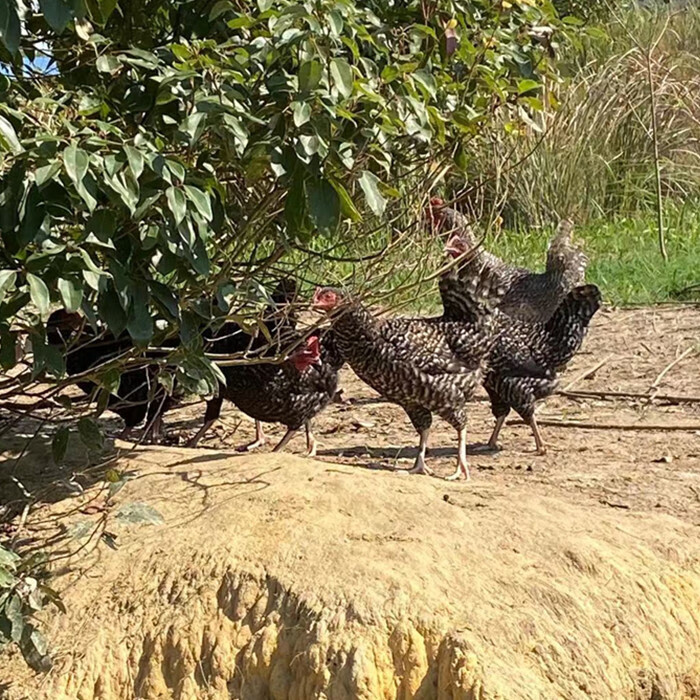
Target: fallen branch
670 366
587 373
586 393
557 423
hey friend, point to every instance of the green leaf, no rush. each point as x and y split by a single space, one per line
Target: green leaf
135 159
200 200
309 75
177 203
426 80
193 126
13 612
369 183
8 558
59 444
527 85
108 64
8 137
7 580
8 348
324 205
39 293
111 311
8 279
71 294
138 321
46 173
341 72
347 206
76 161
335 19
301 112
57 13
9 26
139 513
91 434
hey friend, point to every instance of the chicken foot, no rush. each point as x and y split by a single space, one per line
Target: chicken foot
462 466
419 466
260 439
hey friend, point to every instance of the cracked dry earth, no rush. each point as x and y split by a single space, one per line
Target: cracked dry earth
569 576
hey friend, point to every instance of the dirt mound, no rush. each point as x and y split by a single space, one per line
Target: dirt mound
284 578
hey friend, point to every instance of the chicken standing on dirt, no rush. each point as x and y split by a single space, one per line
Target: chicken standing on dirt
425 365
529 295
524 358
280 324
291 393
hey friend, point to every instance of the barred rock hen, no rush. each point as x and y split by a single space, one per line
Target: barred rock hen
291 393
139 395
280 322
425 365
525 355
529 295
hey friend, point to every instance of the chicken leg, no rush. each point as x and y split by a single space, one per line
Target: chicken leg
419 466
285 439
311 443
540 447
462 466
493 440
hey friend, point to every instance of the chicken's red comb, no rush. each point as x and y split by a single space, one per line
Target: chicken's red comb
437 201
313 344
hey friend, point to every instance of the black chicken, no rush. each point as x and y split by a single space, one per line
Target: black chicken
529 295
525 355
139 395
425 365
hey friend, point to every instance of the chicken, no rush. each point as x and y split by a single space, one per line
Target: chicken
279 321
525 356
139 395
291 393
530 295
425 365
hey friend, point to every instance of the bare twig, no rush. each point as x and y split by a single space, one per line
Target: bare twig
670 366
559 423
582 394
587 373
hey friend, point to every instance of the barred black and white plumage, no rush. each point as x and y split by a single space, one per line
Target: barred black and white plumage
525 357
292 392
529 295
425 365
279 322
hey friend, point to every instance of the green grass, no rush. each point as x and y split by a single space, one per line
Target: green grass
624 256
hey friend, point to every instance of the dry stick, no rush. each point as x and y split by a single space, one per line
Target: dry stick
587 373
581 393
555 423
670 366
